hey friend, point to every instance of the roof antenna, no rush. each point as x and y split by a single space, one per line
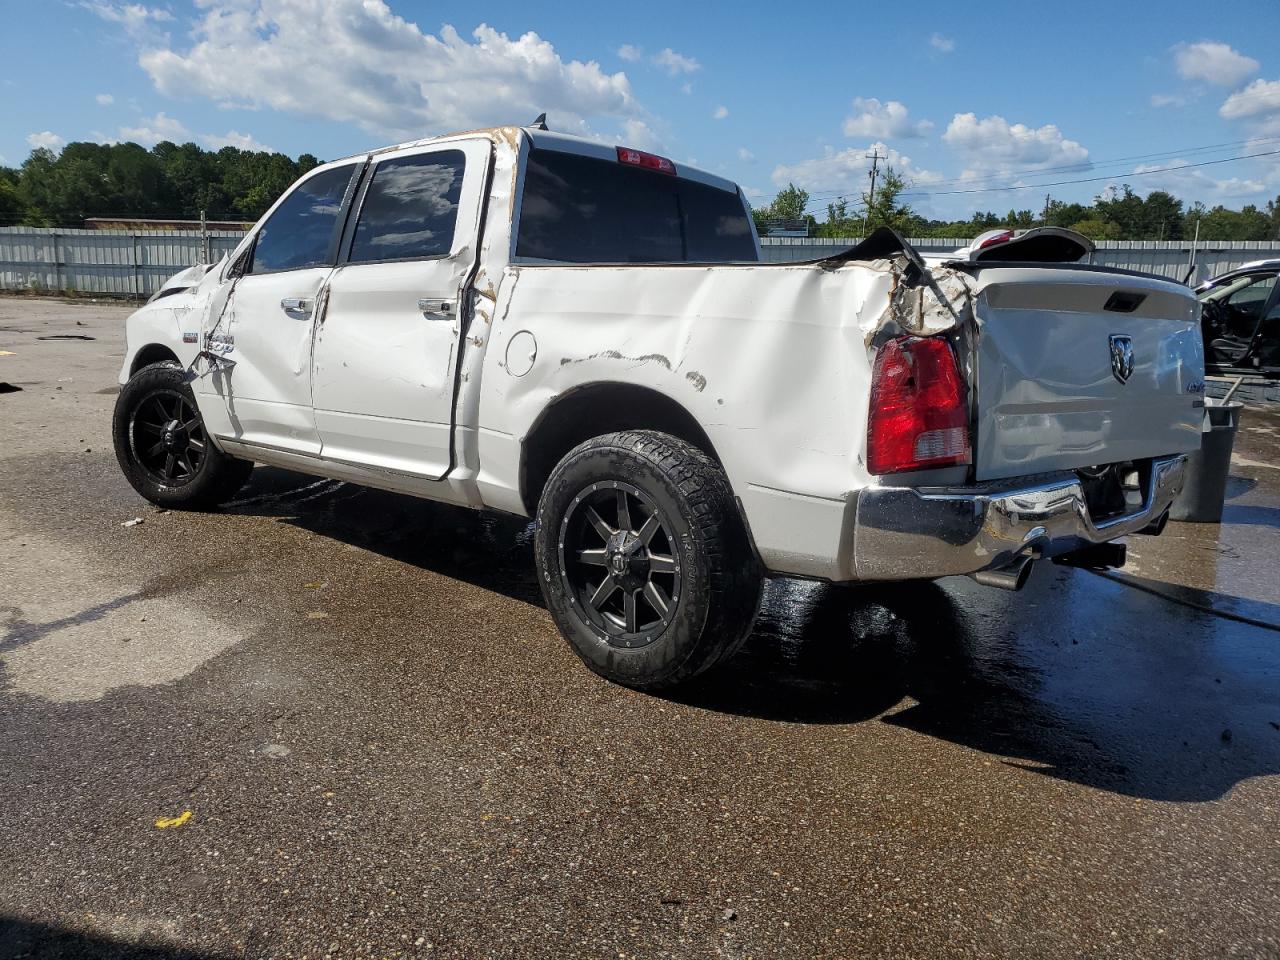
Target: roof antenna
540 123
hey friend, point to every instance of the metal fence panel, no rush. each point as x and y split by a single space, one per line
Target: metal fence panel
110 262
136 264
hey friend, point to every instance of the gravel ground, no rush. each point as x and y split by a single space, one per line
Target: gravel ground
333 722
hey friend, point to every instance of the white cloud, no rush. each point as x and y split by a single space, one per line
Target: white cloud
105 99
746 156
630 53
46 139
636 133
676 63
1159 100
1257 99
994 144
883 121
152 130
234 138
1191 184
942 44
137 19
1213 62
846 170
356 61
720 113
686 89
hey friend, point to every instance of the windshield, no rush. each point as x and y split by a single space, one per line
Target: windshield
1227 288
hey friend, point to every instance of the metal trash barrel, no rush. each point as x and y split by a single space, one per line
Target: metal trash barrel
1205 488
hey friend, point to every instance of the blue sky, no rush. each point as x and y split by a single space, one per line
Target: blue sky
1003 95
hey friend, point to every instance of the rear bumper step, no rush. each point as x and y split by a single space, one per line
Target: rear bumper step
905 533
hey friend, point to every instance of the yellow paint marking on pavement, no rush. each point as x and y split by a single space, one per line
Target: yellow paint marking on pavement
164 823
7 353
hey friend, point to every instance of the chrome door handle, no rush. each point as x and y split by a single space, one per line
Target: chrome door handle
440 309
297 305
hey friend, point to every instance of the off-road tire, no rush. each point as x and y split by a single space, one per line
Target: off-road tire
720 579
216 477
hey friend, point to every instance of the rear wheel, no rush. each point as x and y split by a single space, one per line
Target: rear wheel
643 559
162 446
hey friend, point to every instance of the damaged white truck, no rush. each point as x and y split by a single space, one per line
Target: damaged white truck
523 321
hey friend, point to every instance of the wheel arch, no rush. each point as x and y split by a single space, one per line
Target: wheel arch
151 353
594 409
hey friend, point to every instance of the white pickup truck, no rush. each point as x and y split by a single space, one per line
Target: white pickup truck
524 321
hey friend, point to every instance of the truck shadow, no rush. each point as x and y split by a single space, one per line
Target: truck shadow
1091 693
39 941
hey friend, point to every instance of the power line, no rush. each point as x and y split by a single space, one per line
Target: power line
1037 171
1062 183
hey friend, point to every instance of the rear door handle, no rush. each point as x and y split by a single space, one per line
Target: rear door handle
435 308
300 305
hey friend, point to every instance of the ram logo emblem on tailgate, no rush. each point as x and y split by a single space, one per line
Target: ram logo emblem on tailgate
1122 356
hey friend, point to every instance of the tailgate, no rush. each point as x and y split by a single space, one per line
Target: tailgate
1055 389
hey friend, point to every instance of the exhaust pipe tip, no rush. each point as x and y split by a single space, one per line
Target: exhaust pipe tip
1012 577
1156 528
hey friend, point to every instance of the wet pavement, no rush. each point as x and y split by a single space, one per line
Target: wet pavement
386 749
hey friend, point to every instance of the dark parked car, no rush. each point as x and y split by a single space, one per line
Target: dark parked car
1240 320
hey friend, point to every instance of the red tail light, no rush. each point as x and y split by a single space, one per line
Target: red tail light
991 241
918 415
649 161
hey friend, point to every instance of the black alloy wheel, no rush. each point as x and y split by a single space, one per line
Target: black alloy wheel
167 438
643 558
163 446
619 563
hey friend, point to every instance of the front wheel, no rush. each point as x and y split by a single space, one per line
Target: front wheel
163 447
643 559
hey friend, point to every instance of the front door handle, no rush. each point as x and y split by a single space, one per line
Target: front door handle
299 305
436 308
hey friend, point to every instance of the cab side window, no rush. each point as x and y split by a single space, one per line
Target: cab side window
300 232
1247 303
410 210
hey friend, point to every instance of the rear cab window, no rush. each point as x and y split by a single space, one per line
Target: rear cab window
581 209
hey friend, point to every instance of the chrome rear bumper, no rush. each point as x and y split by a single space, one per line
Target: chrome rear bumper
904 532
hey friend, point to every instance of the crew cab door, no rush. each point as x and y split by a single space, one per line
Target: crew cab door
387 340
265 329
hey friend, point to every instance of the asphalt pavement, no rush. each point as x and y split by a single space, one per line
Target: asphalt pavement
328 721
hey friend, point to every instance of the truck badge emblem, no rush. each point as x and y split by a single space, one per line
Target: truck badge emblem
1121 356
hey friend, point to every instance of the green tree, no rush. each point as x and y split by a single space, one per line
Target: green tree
883 209
840 222
36 186
1163 213
1273 215
12 208
1096 229
789 204
1248 223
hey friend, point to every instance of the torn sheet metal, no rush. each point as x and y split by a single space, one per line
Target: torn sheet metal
772 359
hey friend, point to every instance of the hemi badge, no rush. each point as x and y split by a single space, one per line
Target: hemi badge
190 336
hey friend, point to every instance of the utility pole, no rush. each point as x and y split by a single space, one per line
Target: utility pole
875 158
1044 220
